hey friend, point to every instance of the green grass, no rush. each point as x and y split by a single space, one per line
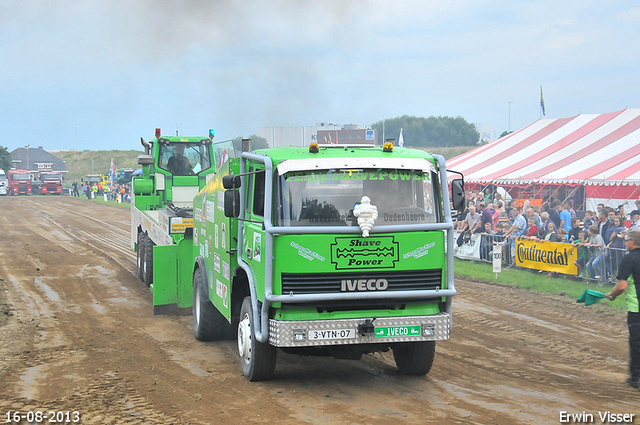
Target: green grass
534 281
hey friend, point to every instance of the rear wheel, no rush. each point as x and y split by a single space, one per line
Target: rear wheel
258 359
208 323
414 358
142 238
147 264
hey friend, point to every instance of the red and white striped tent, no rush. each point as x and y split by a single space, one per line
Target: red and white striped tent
590 158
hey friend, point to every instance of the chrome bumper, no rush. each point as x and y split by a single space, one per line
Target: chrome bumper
432 328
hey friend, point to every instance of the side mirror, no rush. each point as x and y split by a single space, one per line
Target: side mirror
145 159
231 203
457 194
231 182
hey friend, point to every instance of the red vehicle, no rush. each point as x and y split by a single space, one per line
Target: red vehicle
20 181
51 183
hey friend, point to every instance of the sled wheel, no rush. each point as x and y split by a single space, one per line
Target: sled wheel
142 238
147 263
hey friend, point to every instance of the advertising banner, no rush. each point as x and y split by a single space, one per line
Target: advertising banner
469 250
545 255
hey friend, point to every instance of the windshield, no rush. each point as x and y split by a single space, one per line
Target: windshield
327 198
55 177
93 179
184 159
22 177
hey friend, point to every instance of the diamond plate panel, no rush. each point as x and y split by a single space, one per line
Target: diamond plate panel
281 332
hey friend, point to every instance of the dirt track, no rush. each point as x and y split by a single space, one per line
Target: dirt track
78 334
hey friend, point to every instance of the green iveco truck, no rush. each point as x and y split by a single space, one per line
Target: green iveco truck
327 250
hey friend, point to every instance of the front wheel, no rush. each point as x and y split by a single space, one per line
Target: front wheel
258 359
414 358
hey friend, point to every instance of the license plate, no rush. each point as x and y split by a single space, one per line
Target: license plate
315 335
393 331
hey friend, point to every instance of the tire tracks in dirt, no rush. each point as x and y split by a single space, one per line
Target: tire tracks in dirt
86 339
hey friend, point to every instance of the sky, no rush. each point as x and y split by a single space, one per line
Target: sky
101 74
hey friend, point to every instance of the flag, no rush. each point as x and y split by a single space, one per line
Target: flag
112 173
542 102
400 139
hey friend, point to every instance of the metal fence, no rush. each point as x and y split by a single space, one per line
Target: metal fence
595 264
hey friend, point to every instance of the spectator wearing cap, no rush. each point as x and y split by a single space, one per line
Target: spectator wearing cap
635 220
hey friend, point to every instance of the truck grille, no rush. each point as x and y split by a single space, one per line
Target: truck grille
323 283
326 283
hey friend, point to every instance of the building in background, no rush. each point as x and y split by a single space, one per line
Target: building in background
37 160
322 132
278 137
487 132
348 134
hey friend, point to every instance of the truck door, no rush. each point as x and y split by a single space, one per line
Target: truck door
253 234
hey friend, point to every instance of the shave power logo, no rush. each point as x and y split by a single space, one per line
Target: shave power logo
376 252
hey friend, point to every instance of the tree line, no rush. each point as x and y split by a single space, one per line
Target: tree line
429 132
5 159
417 132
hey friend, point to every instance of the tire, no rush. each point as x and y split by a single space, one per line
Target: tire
258 359
208 323
414 358
142 239
147 264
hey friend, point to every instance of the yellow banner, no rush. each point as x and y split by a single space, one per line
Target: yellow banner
545 255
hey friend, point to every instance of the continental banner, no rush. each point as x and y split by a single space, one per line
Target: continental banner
549 256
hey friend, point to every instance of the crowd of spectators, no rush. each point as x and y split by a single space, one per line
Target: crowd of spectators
598 235
116 192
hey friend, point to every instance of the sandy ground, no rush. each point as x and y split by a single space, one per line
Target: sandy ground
78 334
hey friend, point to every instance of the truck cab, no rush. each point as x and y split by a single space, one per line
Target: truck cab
175 169
51 183
20 182
339 250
